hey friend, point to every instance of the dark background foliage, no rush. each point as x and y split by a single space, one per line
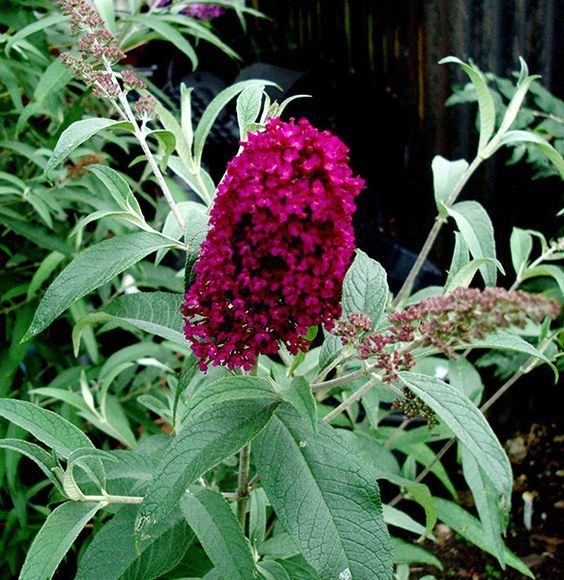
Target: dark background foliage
372 70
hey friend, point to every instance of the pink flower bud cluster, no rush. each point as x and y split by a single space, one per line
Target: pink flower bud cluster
280 242
82 15
445 322
469 314
355 333
97 51
131 81
145 107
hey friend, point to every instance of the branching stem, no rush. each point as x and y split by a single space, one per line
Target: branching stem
358 394
433 234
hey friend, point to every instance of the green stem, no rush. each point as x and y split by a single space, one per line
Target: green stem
358 394
433 234
243 484
113 498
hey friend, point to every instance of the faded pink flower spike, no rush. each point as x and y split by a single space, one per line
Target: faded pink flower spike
280 242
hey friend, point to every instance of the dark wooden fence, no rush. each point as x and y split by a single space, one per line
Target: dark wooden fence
372 68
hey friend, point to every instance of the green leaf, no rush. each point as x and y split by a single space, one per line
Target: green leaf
492 515
406 553
399 519
232 388
186 114
50 428
485 100
91 269
37 26
463 278
167 145
272 570
258 503
470 529
523 85
214 108
371 451
521 244
424 455
204 187
157 313
553 271
46 268
248 108
54 539
519 137
503 340
300 396
118 188
446 174
469 425
219 532
168 33
106 10
365 288
184 150
37 234
76 135
324 497
330 349
98 215
197 226
476 228
460 257
112 554
195 217
209 439
55 77
44 460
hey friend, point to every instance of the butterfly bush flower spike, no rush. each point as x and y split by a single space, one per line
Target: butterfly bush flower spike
279 244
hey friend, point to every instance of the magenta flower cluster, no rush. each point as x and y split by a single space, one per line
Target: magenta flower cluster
200 11
280 242
204 11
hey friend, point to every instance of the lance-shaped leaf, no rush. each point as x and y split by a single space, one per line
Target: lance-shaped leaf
77 134
219 532
485 100
469 425
476 228
208 439
91 269
44 460
50 428
492 515
112 554
232 388
157 313
54 539
325 498
446 174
